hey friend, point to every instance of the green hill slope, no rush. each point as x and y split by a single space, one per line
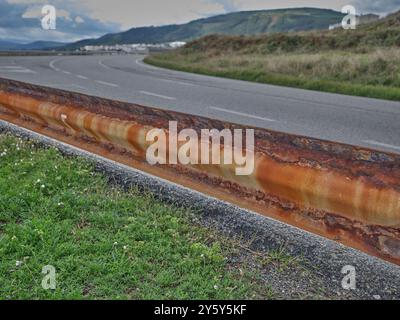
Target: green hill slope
364 62
381 33
237 23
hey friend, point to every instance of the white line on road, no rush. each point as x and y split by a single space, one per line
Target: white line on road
51 65
81 77
380 144
140 63
103 65
18 70
15 68
10 67
178 82
107 83
242 114
157 95
66 72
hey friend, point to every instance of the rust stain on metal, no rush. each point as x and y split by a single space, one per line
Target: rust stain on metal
339 191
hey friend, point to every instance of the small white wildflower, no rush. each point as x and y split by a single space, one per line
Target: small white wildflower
43 186
125 248
18 263
115 243
216 287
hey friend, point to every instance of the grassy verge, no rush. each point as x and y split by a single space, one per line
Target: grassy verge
103 242
373 74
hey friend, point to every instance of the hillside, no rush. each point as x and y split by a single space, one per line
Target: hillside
381 33
42 45
237 23
37 45
7 45
364 62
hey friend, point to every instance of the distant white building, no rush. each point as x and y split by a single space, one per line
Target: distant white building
177 44
141 48
335 26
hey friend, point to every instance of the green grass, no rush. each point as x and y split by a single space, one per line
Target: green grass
104 243
344 79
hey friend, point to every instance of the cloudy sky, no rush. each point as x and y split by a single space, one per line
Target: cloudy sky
77 19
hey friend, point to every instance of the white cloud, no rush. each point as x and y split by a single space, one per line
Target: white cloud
78 19
36 12
26 1
37 34
378 6
135 13
278 4
362 6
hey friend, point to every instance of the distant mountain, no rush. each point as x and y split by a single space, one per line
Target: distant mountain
7 45
42 45
37 45
237 23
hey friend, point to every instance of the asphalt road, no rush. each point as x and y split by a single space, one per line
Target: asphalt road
365 122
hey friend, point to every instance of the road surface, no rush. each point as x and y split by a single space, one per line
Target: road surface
358 121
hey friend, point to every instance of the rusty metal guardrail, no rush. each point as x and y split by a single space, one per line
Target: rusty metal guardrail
345 193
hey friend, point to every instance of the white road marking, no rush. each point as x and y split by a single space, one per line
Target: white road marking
107 83
242 114
18 70
157 95
15 68
52 66
140 63
380 144
178 82
103 65
10 67
81 77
